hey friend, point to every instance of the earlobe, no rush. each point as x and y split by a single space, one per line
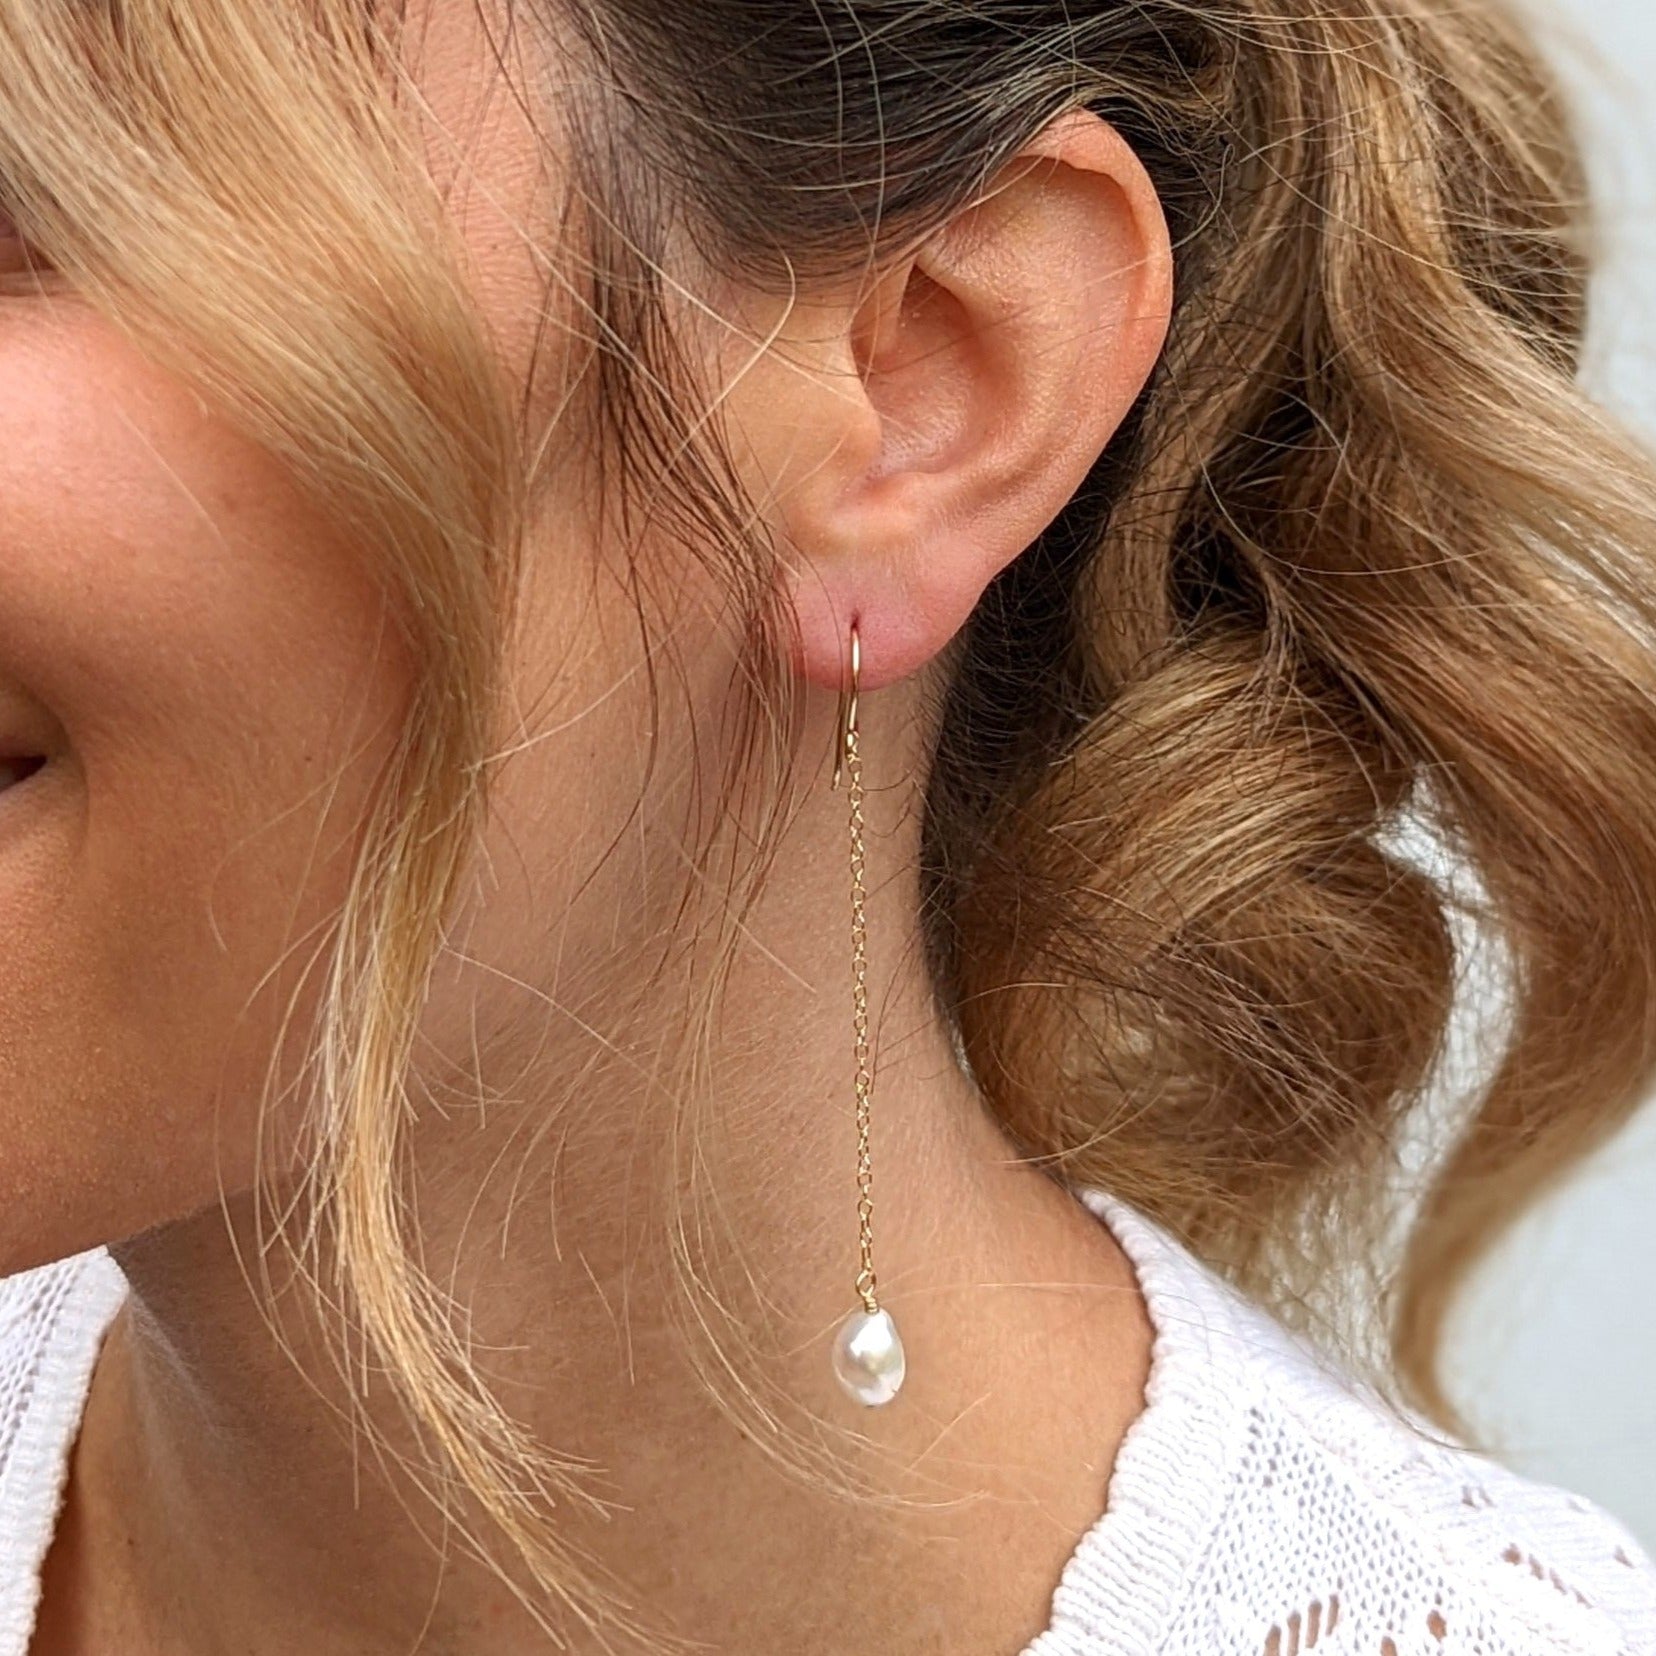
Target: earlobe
993 365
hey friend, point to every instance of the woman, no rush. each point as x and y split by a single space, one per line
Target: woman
720 721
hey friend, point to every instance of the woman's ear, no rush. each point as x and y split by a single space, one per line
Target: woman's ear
916 436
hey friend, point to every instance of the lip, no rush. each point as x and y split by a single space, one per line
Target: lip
31 737
16 767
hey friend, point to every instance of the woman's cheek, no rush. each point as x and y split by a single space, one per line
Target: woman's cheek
220 684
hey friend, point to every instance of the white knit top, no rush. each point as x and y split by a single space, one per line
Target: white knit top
1262 1504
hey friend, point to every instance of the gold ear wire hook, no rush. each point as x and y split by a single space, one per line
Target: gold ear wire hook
847 710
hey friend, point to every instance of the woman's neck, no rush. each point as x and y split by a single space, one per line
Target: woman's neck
219 1503
216 1504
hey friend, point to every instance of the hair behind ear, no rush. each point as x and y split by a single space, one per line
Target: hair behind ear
1369 564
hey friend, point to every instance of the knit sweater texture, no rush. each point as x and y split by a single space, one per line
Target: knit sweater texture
1264 1502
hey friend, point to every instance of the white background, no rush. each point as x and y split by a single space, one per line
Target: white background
1556 1347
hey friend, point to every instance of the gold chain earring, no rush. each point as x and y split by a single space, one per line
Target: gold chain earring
868 1354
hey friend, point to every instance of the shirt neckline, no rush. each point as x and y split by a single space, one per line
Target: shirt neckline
1120 1588
77 1299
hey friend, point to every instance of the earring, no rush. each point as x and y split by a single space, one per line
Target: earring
868 1354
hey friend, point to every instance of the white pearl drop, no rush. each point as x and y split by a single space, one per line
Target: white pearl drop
868 1357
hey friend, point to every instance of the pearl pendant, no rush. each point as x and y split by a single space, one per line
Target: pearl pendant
868 1357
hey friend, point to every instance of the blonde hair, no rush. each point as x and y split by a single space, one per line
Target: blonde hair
1363 559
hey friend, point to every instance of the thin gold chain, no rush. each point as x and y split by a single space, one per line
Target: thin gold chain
859 1000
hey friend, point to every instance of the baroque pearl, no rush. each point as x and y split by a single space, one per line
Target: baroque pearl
868 1356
